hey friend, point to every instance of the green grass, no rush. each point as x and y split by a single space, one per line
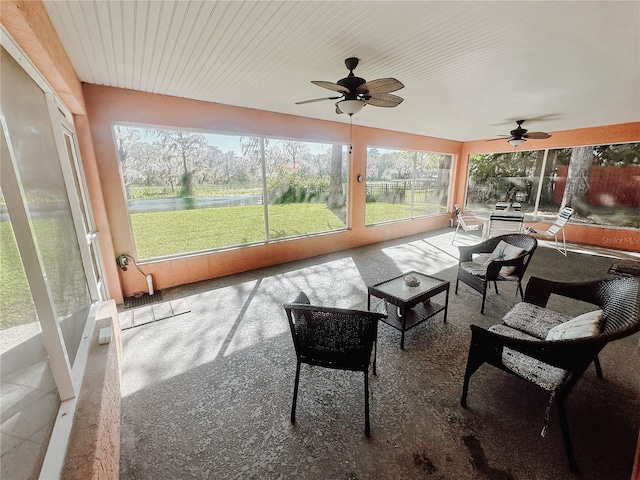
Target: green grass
160 234
16 304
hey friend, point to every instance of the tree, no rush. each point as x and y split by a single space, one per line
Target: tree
575 192
190 149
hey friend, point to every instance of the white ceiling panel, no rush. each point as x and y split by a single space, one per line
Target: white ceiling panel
470 69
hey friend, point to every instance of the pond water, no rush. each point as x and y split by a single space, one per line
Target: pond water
190 203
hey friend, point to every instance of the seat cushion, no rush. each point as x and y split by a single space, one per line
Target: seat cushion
533 320
474 268
542 374
585 325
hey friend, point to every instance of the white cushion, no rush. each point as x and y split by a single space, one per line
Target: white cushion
585 325
505 251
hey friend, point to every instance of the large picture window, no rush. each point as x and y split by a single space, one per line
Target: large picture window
405 184
191 191
601 182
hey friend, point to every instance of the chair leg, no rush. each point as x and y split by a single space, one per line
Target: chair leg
457 282
484 296
295 394
455 233
596 362
564 426
473 364
367 427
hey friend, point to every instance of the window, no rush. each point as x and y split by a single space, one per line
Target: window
405 184
48 291
599 181
191 191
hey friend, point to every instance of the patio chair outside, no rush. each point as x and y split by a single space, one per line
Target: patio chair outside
556 228
333 338
523 346
469 223
491 266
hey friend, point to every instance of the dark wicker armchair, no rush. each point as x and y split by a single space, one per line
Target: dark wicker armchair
519 344
478 272
333 338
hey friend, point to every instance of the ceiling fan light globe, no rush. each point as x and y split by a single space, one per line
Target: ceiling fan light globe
350 106
516 142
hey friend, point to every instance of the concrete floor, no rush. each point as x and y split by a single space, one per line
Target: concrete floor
207 392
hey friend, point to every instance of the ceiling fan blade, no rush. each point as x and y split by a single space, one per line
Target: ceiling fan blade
331 86
501 137
384 100
317 100
536 135
382 85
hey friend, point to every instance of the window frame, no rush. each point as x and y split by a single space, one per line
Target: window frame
68 378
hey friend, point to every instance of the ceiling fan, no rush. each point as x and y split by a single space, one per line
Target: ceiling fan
519 135
356 92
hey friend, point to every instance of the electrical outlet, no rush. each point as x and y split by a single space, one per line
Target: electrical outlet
123 261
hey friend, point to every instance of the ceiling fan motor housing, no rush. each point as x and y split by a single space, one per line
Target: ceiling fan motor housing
352 83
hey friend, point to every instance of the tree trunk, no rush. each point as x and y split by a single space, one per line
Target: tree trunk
336 200
575 193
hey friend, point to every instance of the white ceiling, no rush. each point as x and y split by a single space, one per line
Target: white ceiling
470 69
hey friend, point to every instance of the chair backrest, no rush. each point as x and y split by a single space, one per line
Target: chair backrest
460 220
332 337
561 221
502 205
619 298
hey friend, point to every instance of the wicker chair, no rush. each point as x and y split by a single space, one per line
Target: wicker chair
333 338
479 274
519 344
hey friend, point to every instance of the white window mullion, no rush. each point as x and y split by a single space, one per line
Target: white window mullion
265 198
540 182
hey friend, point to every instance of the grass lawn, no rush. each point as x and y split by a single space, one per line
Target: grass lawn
160 234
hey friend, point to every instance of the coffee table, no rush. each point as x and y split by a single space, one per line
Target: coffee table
414 304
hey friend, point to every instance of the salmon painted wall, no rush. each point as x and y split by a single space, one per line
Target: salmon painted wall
106 106
609 237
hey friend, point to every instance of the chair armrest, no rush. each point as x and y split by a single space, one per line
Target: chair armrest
572 355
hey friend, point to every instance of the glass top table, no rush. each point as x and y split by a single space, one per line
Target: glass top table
414 304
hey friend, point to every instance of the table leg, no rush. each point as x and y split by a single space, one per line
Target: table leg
369 302
401 312
446 304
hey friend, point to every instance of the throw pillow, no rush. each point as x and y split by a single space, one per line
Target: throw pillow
505 251
585 325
